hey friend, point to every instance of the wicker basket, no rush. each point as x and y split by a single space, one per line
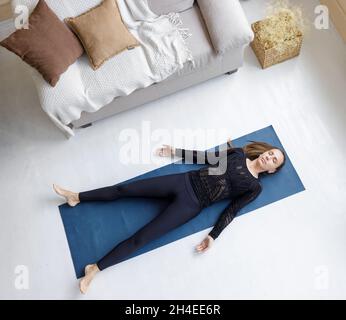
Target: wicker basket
270 56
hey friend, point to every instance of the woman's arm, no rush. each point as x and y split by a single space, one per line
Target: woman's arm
203 157
231 211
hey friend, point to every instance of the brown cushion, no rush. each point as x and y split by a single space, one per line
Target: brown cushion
102 32
48 45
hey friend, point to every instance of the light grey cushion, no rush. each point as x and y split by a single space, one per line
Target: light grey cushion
165 6
227 24
202 49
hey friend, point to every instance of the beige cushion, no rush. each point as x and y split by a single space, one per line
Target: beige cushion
102 32
342 4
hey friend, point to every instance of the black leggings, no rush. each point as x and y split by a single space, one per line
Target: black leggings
183 206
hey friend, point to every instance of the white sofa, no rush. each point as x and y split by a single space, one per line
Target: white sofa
220 33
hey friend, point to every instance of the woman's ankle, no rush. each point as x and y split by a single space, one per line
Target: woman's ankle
72 199
73 196
93 268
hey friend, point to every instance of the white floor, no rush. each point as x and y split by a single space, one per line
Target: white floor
294 248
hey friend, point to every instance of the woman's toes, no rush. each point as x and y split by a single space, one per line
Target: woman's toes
58 190
55 187
89 275
83 286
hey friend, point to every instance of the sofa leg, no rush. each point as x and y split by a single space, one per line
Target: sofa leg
231 72
86 125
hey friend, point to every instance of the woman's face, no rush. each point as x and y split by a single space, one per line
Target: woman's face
270 160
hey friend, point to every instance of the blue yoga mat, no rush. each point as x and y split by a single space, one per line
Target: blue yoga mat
94 228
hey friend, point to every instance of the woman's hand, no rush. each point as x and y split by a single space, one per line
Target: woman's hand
205 244
165 151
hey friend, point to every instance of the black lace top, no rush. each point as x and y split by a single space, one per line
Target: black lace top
226 176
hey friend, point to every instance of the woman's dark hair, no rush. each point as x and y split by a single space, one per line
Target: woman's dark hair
254 149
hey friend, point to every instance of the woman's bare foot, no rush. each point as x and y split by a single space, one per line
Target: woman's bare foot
90 272
72 198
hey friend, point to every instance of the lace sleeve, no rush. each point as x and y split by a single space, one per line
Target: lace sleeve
231 211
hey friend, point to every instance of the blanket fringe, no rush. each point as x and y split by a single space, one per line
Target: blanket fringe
175 19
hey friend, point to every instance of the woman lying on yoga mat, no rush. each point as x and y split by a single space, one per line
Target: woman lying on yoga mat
235 176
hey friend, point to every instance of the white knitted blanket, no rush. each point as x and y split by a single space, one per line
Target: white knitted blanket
163 51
